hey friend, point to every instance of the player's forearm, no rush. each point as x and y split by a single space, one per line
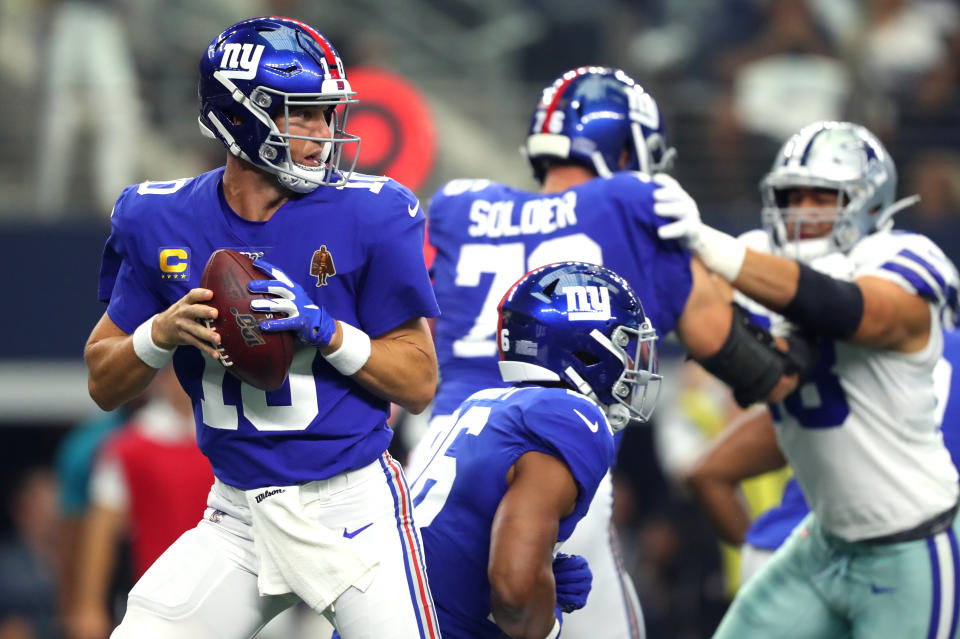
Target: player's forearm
97 557
768 279
401 372
522 608
724 507
402 366
115 374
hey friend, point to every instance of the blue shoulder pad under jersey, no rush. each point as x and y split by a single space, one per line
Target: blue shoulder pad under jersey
460 486
487 235
319 423
773 527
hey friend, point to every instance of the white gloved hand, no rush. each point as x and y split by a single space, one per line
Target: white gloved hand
721 253
672 202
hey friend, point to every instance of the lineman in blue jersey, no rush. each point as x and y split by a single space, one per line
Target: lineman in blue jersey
595 137
878 554
516 468
307 504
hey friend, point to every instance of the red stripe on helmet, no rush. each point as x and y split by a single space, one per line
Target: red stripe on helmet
556 97
328 53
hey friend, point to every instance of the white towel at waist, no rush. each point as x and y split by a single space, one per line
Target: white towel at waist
296 553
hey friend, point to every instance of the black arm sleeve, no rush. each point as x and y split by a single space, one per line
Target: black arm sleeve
750 362
825 306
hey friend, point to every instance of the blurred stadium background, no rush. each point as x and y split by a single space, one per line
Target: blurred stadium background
97 95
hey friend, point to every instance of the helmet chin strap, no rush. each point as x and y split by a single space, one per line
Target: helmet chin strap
619 416
296 184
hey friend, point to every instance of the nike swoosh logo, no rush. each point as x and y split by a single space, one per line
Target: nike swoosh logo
879 590
593 426
351 535
412 210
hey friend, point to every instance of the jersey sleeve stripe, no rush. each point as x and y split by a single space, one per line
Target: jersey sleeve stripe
907 253
915 280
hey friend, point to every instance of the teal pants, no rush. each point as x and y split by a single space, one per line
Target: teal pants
817 586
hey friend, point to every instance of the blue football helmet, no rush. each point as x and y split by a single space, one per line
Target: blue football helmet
837 156
594 114
261 68
581 324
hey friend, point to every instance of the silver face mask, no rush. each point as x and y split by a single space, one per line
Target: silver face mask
841 157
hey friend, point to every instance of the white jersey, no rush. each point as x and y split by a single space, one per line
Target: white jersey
862 435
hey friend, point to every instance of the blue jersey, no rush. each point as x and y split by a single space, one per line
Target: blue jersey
459 488
320 423
487 235
773 527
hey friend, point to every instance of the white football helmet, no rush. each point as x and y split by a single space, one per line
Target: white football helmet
841 157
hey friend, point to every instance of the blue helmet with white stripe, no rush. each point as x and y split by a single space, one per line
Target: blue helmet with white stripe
837 156
263 68
595 116
581 324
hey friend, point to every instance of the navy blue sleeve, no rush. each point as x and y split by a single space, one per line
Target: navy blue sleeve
396 285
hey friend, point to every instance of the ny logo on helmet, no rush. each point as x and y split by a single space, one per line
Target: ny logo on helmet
587 302
241 60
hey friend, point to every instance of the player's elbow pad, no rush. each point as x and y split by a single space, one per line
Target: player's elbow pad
825 306
749 361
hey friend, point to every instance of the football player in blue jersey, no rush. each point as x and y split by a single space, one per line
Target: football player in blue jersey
306 504
595 139
516 468
878 555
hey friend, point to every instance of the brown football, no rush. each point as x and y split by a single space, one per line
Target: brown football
258 358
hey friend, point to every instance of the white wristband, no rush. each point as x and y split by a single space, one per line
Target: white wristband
146 349
721 253
555 631
353 353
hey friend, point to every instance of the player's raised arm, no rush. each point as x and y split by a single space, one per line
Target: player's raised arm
823 197
744 356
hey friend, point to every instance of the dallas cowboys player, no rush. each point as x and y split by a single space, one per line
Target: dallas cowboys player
515 469
878 555
594 137
306 503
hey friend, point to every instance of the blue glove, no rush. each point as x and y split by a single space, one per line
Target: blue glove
573 579
312 323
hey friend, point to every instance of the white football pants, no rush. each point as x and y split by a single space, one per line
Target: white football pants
613 609
205 584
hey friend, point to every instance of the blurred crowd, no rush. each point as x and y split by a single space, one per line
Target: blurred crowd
98 95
